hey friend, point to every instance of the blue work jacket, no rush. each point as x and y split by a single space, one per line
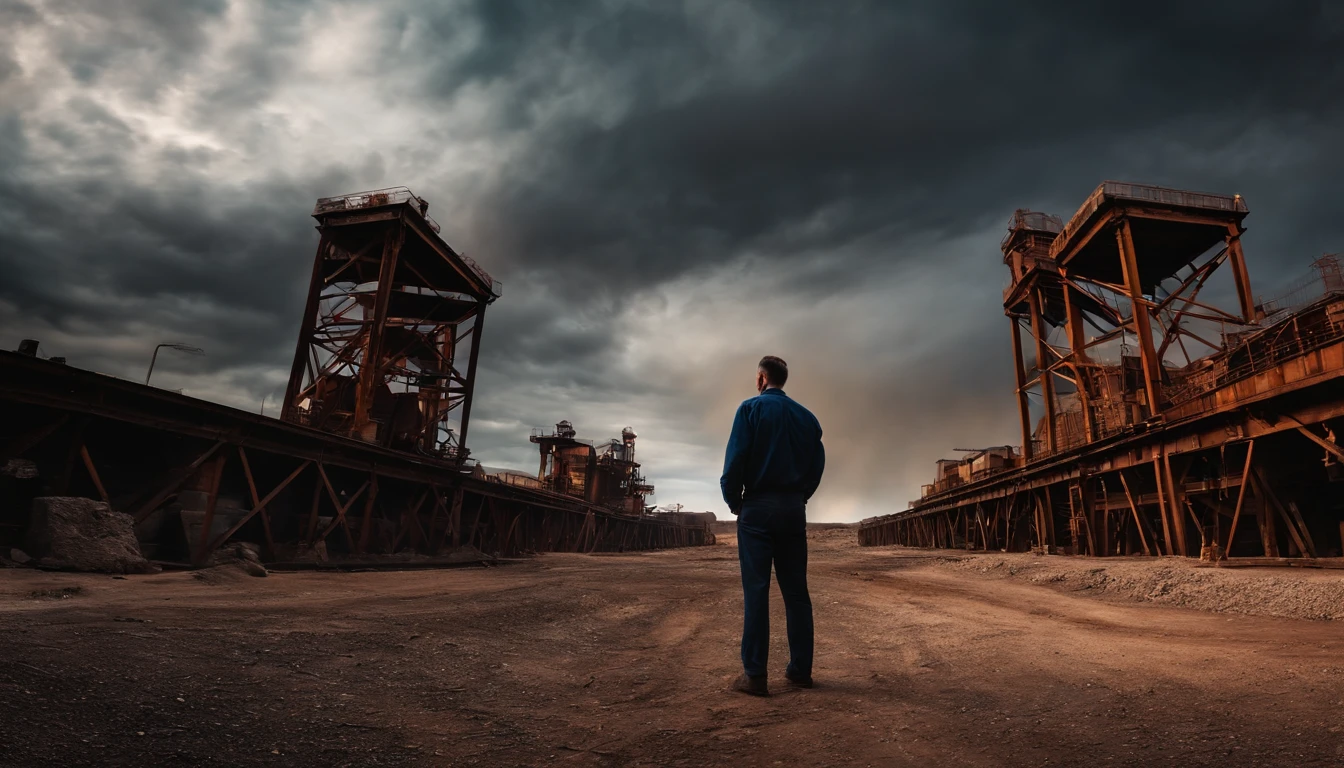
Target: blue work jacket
774 449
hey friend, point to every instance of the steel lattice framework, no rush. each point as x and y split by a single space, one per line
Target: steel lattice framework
1153 420
392 313
369 457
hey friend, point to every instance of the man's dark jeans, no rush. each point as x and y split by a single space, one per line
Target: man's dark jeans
773 530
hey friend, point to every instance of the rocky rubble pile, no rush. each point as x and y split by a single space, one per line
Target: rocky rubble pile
83 535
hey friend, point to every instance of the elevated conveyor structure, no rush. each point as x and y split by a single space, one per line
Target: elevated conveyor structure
1154 419
369 457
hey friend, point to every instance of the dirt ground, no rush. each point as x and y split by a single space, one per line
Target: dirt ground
622 660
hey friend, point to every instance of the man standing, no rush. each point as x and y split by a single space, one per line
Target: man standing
773 466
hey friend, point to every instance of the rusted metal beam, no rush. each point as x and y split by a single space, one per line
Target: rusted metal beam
1300 536
147 508
1138 521
366 524
1043 365
478 327
168 424
299 366
1240 276
212 500
1129 266
340 508
371 371
93 474
1331 448
1241 498
258 506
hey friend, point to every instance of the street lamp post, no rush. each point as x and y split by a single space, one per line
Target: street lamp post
184 348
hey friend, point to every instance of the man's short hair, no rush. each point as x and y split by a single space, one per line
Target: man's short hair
776 370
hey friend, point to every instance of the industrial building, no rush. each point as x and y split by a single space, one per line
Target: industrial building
369 456
1163 410
607 476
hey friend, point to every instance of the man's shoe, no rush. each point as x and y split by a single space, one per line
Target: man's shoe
798 681
754 686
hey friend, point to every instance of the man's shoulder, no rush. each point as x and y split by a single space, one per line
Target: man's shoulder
770 403
800 408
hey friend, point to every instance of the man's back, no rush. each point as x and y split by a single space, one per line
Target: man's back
775 448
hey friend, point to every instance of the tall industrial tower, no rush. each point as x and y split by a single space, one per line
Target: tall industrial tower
393 313
1125 272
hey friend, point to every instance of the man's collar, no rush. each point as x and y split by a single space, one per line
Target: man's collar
774 391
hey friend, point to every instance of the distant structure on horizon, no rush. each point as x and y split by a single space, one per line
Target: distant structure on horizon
607 475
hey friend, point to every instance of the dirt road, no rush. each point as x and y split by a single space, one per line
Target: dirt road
623 660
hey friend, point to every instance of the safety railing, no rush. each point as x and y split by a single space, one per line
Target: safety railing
520 481
1119 190
539 432
374 199
1031 220
496 287
395 196
1260 357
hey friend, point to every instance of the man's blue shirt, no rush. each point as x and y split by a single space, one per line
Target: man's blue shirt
775 447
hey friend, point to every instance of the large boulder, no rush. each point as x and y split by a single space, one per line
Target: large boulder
83 535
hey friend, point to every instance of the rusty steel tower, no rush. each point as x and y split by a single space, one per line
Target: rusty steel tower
1163 409
391 331
1123 278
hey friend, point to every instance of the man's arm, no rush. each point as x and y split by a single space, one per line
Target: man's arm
818 466
735 460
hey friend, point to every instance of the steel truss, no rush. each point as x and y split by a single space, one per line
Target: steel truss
196 475
1228 454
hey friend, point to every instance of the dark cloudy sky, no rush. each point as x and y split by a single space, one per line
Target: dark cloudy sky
667 189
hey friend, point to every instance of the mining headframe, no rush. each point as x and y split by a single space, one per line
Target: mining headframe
1154 420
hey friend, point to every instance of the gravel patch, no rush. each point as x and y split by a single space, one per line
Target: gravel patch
1284 593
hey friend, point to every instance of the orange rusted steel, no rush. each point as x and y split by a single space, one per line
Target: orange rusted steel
1131 408
372 439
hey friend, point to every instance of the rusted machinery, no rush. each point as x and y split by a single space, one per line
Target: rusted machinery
392 313
608 476
369 457
1154 420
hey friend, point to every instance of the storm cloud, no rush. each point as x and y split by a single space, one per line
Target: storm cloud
668 191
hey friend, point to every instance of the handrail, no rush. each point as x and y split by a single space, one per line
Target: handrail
395 196
1119 190
373 199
